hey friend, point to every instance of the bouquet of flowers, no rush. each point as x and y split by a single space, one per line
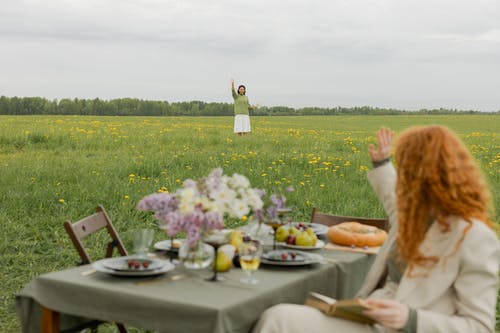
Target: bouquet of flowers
199 206
272 206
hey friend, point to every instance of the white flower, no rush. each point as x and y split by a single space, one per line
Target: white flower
253 199
223 195
237 181
208 205
239 208
187 197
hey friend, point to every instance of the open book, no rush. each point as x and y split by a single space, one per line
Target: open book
351 309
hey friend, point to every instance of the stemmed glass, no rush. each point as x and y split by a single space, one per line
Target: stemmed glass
216 238
170 251
279 221
249 253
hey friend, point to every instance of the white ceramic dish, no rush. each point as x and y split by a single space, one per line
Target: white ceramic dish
319 229
165 245
319 245
104 267
121 264
310 258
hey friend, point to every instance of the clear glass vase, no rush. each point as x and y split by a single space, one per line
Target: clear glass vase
199 256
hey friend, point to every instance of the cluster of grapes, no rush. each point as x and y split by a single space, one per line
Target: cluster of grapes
285 256
137 264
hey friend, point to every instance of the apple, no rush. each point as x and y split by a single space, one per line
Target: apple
281 234
290 240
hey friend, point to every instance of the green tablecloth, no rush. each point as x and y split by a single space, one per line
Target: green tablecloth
187 305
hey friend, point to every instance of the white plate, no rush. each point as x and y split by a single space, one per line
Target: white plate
319 245
121 264
310 258
165 245
319 229
165 266
290 255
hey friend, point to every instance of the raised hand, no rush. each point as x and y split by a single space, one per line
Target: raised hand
384 136
232 83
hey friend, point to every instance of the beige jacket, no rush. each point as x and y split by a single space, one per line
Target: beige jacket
459 294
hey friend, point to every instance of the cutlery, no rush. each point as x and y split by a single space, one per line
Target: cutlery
88 272
328 261
162 279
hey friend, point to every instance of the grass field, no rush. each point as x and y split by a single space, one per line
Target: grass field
55 168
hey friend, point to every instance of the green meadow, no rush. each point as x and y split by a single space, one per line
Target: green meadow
55 168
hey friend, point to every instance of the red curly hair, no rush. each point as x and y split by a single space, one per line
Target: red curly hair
436 178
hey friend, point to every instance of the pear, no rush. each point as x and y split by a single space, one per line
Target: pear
303 239
236 238
314 238
311 233
281 234
293 231
224 262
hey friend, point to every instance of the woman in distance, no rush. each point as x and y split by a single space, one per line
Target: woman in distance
439 267
241 107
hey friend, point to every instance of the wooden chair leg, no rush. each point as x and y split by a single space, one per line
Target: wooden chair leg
121 328
50 321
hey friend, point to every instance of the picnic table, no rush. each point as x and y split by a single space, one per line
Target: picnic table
182 300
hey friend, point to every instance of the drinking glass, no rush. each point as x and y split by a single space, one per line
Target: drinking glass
142 240
249 253
279 221
216 238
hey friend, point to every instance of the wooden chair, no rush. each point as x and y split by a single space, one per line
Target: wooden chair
85 227
329 220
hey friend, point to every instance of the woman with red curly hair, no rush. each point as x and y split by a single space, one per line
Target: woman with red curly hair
439 267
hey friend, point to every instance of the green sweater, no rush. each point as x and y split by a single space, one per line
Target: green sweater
241 103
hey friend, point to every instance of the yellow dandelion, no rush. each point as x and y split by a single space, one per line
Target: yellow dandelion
244 218
321 185
61 200
162 189
302 184
126 197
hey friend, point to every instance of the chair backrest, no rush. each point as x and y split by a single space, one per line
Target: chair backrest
89 225
329 220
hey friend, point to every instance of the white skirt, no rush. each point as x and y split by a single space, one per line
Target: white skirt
241 123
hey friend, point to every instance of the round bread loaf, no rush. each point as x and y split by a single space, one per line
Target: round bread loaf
357 234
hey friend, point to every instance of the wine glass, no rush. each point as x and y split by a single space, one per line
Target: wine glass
170 250
279 221
216 238
249 253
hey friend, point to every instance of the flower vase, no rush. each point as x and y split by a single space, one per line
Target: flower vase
198 256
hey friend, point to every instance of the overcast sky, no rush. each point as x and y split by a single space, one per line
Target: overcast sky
387 53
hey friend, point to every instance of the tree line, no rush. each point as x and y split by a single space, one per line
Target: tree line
139 107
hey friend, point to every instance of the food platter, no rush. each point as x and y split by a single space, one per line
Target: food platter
166 245
319 245
119 266
318 229
301 258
